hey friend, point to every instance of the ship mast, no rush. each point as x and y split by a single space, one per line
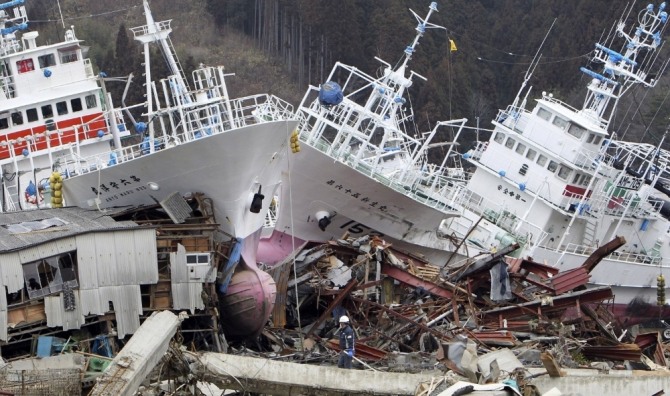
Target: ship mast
622 69
159 32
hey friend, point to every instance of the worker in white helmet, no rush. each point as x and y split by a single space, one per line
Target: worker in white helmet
346 343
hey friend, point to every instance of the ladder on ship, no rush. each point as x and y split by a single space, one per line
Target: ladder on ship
8 202
590 229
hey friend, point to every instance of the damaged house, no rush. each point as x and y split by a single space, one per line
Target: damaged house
70 268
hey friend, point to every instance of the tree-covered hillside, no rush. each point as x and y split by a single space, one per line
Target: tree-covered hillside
280 46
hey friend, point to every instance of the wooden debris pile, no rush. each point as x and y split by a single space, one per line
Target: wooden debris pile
409 314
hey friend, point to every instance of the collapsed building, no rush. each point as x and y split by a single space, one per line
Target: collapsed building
80 283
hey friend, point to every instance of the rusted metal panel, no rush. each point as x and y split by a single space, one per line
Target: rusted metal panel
602 252
337 301
570 280
654 340
495 338
412 280
518 265
558 303
363 352
619 352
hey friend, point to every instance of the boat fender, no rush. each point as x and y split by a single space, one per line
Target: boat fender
502 173
47 73
101 133
56 185
295 142
25 152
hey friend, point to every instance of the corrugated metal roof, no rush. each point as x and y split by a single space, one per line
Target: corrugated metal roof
57 316
127 306
12 273
185 294
78 221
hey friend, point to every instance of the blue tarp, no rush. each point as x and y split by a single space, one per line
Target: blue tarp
330 94
232 262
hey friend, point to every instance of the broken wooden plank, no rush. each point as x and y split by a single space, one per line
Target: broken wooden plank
552 366
338 300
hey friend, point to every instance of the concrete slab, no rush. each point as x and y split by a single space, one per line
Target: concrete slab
284 378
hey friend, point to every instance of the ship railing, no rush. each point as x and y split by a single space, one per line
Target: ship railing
144 30
247 111
625 256
9 46
8 87
39 139
523 231
408 188
613 201
511 116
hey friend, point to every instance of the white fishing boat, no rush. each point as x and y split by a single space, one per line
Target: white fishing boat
554 179
56 116
62 143
361 167
557 180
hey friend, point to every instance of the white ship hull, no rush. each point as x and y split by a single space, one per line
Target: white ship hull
228 167
357 205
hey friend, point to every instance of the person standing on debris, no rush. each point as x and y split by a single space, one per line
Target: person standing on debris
346 343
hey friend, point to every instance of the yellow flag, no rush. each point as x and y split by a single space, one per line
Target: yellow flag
452 45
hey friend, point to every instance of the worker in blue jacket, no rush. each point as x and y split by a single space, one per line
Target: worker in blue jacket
346 343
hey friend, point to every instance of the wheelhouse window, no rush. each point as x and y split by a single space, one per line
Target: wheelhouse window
91 101
4 122
46 60
553 165
76 105
17 118
594 138
531 154
564 172
510 143
499 137
541 160
68 56
576 131
61 108
47 111
31 115
520 148
560 122
25 66
544 114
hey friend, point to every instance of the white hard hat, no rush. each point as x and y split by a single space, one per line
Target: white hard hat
344 319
